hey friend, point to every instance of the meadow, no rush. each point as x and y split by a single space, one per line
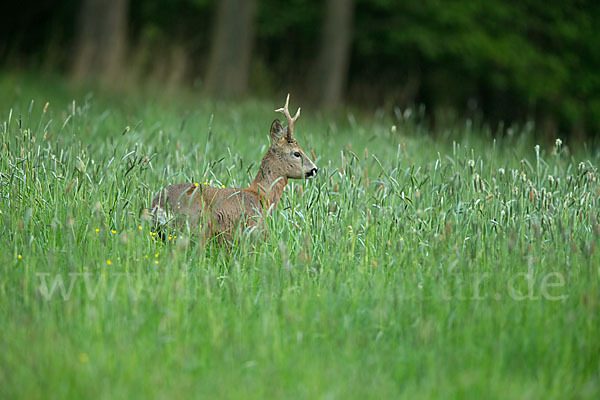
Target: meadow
456 264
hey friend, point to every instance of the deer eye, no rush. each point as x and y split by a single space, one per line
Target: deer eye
297 154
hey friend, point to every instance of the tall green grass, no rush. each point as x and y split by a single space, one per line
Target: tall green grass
415 265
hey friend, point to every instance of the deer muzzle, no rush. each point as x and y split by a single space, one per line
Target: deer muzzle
312 173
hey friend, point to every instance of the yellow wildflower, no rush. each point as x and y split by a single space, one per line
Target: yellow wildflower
109 262
113 231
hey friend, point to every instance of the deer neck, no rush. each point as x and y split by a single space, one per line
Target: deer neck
268 185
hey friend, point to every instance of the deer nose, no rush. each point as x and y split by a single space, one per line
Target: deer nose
312 172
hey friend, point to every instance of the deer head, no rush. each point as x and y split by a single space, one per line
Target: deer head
286 155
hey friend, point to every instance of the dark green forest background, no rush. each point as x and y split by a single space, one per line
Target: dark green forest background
497 60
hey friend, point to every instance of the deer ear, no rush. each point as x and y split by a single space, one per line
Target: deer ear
276 131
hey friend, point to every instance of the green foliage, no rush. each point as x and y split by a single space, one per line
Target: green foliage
509 61
187 21
409 267
539 54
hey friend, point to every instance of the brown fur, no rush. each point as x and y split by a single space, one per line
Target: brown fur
220 212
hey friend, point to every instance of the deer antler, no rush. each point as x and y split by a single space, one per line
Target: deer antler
291 121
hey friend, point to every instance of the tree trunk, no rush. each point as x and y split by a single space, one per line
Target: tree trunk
328 78
102 39
232 39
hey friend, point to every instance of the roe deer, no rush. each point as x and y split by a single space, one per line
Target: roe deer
218 212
